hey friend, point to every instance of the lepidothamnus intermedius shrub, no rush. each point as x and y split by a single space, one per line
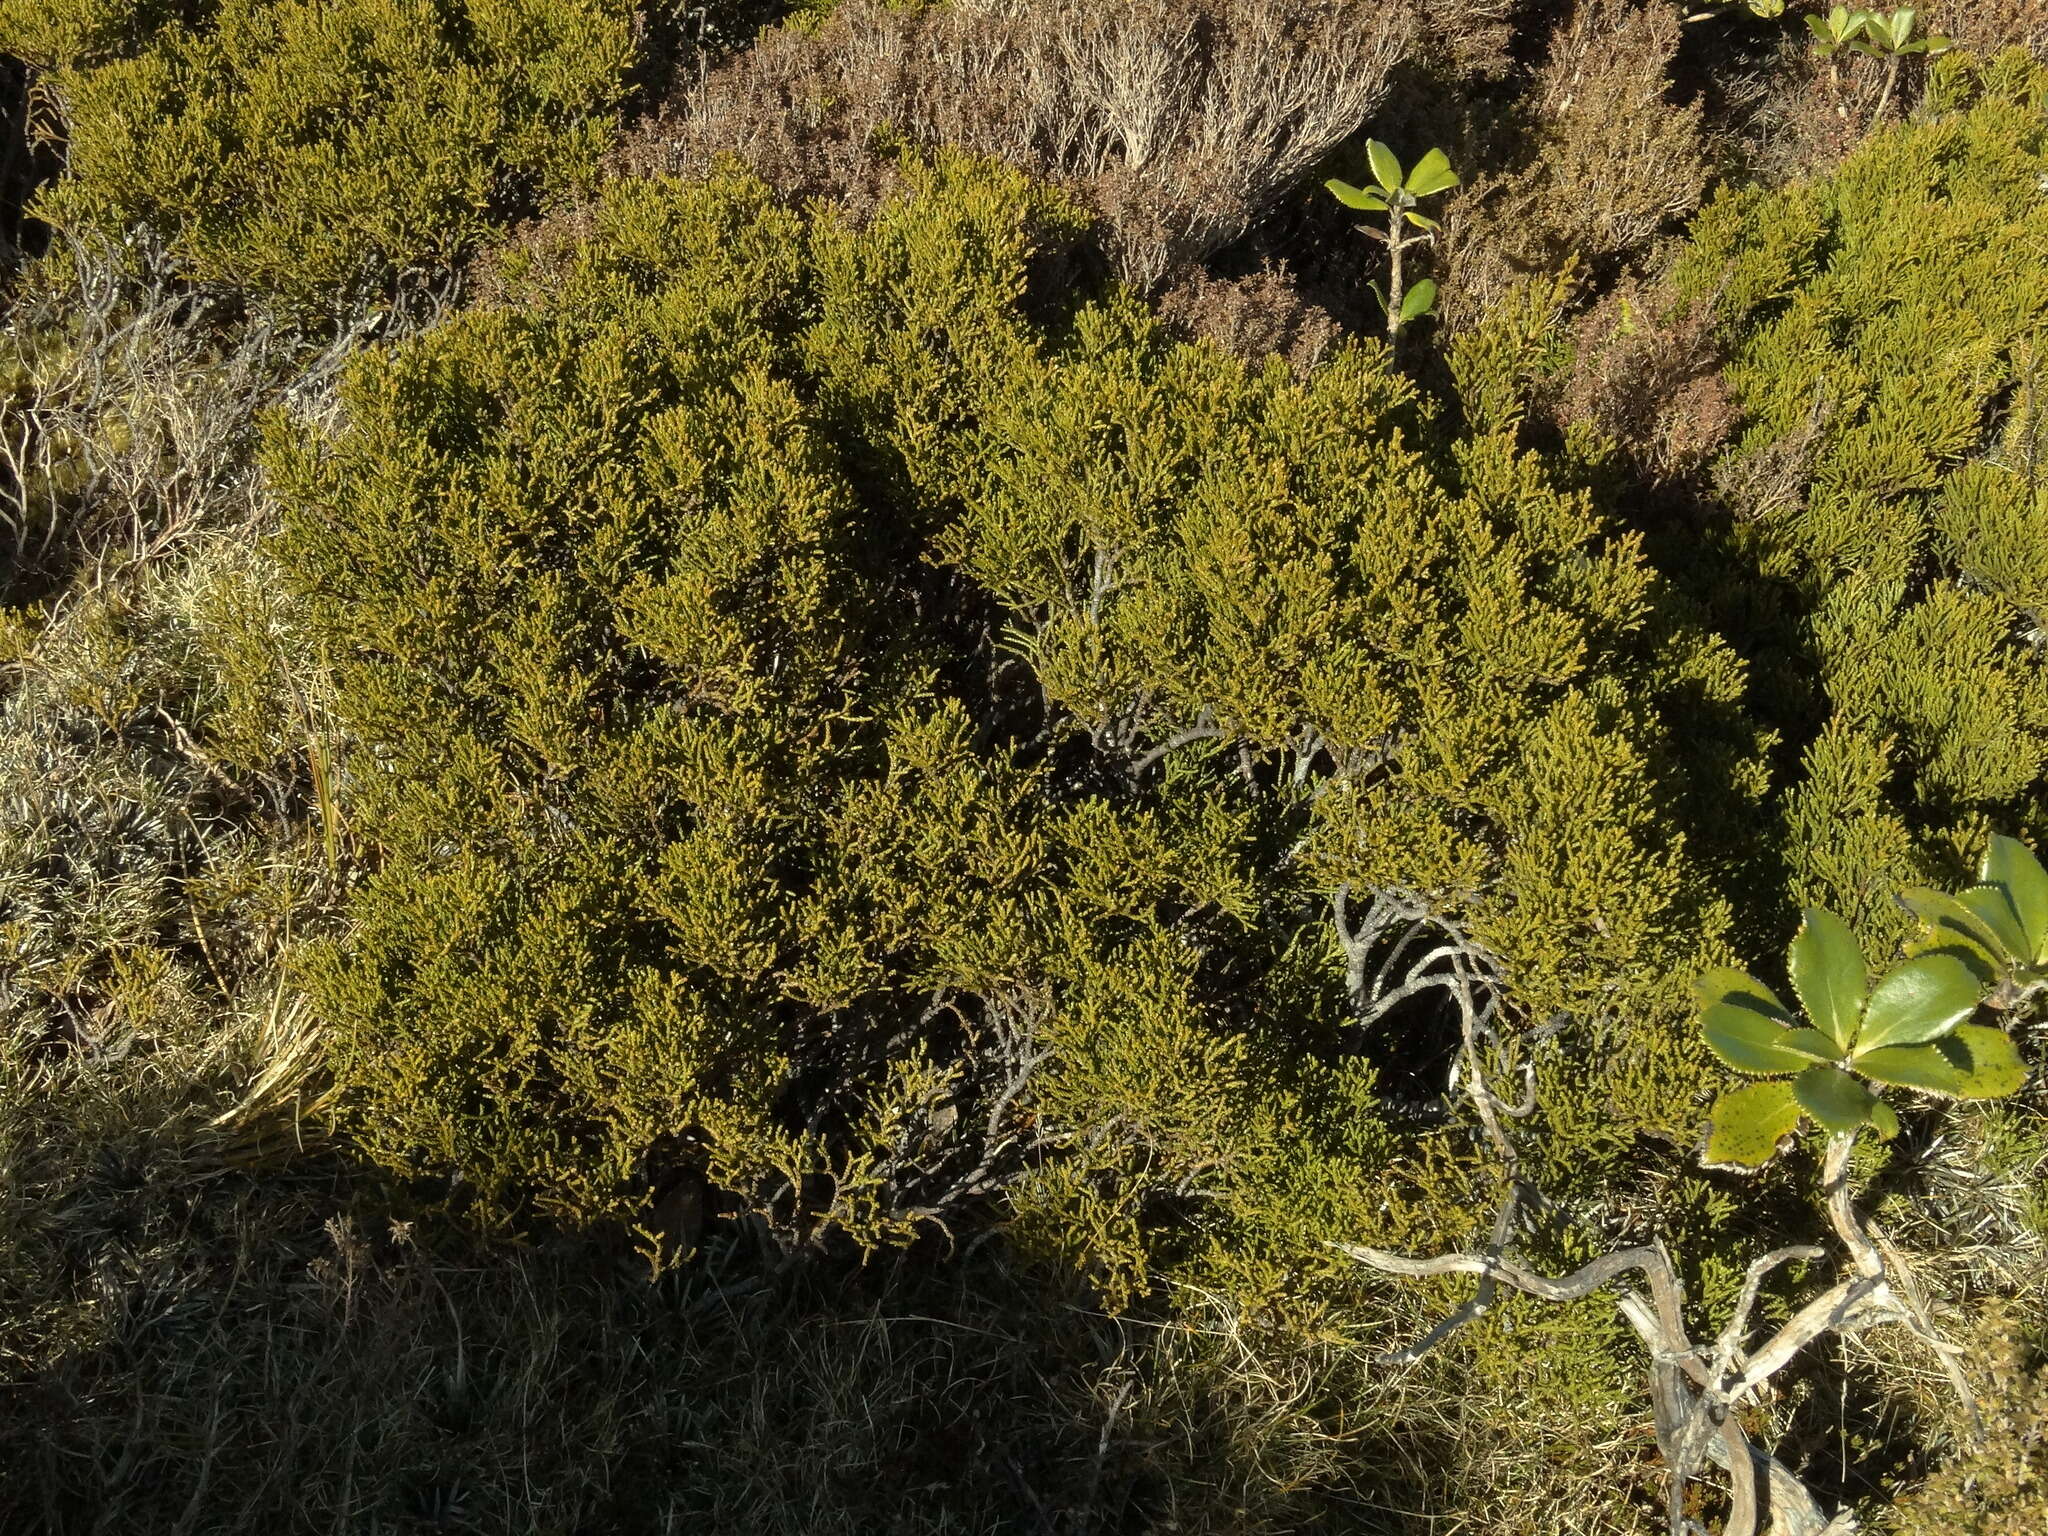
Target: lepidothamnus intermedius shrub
685 844
1885 325
826 733
297 148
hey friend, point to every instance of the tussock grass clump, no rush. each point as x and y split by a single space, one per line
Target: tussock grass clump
262 1357
2001 1483
158 855
130 410
158 723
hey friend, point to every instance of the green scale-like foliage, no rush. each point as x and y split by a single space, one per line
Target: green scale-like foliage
1452 651
758 635
685 849
299 148
1885 325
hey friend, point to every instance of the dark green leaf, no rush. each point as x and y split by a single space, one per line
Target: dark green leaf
1918 1000
1422 223
1725 984
1995 910
1814 1045
1883 1119
1924 1067
2011 864
1950 924
1751 1042
1748 1123
1834 1098
1828 975
1974 1062
1419 300
1987 1059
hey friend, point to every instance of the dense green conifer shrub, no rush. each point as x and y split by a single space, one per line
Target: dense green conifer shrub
848 736
296 148
680 835
1884 325
835 724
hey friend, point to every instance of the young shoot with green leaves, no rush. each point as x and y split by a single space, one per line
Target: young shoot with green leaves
1886 35
1397 195
1834 32
1763 10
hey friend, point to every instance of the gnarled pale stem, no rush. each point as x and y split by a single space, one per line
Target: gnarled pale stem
1696 1394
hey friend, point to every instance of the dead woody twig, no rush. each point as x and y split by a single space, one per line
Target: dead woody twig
1697 1390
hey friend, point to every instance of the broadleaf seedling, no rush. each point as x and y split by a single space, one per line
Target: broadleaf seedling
1396 195
1909 1027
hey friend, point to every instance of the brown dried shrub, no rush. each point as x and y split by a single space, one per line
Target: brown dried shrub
1646 372
1469 37
1179 121
1262 314
1986 27
1812 111
1608 163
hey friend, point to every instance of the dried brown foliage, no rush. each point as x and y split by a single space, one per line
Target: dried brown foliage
1256 316
1469 37
1988 26
1646 372
1774 476
1607 163
1810 112
1179 121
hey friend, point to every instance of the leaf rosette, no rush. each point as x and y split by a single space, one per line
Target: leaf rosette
1856 1033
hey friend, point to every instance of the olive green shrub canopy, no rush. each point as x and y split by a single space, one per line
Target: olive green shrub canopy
300 148
836 719
1888 570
